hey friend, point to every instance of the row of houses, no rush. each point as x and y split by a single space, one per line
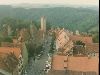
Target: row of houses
13 58
72 58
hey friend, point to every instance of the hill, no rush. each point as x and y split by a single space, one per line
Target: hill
83 19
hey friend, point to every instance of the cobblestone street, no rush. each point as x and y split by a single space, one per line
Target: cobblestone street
36 67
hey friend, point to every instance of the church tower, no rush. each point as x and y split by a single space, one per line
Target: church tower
43 24
43 27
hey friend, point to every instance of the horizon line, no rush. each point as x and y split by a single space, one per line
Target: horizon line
51 4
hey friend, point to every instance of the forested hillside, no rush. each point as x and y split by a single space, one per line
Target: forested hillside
82 19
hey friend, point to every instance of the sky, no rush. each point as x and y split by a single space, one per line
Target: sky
65 2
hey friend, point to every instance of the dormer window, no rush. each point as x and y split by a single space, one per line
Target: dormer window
65 67
65 60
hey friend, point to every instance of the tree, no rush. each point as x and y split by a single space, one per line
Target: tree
7 39
79 43
96 37
35 44
79 48
51 48
52 43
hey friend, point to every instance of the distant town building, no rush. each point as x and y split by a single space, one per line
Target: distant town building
77 32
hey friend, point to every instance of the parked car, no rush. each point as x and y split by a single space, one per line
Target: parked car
39 56
41 52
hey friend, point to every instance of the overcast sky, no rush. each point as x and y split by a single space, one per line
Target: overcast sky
75 2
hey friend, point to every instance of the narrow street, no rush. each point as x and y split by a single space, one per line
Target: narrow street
36 67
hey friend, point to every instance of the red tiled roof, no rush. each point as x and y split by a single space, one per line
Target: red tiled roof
75 63
5 50
93 47
85 39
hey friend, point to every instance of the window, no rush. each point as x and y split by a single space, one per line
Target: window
64 45
19 64
65 37
19 70
22 67
20 60
59 39
88 53
61 43
65 60
94 54
65 67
